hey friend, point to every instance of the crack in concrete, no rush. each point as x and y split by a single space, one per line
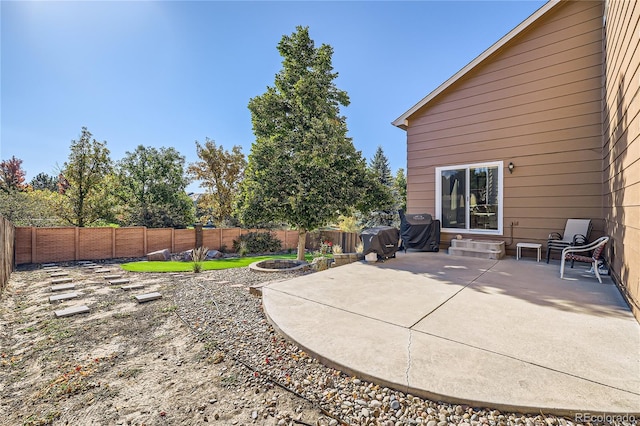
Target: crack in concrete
408 359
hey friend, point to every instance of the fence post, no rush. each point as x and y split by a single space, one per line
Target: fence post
198 228
34 249
113 243
76 243
144 239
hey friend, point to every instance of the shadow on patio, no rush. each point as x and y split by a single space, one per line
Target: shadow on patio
506 334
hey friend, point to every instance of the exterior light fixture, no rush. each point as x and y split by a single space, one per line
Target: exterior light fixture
511 167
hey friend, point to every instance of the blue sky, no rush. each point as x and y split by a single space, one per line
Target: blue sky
168 73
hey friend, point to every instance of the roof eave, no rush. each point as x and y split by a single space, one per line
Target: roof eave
403 121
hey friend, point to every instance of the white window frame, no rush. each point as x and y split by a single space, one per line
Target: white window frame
467 167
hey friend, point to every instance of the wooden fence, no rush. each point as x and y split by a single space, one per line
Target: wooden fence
60 244
7 261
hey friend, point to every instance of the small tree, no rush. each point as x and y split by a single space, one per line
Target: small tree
379 201
82 178
303 169
44 182
400 189
12 175
221 173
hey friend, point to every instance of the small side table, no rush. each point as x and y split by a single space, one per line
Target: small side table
520 246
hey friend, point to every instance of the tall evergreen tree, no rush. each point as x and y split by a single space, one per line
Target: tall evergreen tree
303 169
380 166
44 182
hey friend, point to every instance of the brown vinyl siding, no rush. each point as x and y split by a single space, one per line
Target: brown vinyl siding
536 101
621 145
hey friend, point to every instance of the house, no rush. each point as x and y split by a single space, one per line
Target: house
541 127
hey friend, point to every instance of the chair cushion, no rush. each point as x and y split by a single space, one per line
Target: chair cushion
579 258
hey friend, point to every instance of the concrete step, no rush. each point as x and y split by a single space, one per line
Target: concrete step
64 296
118 282
63 287
132 287
74 310
112 277
102 271
59 274
52 269
477 253
141 298
484 249
61 280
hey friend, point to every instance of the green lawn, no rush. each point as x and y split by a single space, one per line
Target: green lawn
209 265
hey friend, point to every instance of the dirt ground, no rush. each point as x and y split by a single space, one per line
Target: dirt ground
123 363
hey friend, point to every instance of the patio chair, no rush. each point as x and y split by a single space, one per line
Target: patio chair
595 248
576 232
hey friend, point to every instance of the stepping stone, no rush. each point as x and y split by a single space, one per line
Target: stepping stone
102 271
49 265
61 280
141 298
60 297
132 287
81 309
59 274
93 266
118 282
52 270
112 277
63 287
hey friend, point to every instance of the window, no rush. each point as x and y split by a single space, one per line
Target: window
469 198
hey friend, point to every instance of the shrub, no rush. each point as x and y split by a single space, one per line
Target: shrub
199 255
258 242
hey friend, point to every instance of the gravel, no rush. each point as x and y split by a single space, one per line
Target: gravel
218 307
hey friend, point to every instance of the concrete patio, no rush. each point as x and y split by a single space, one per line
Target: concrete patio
503 334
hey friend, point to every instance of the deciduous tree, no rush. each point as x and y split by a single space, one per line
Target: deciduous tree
220 172
303 169
30 208
84 172
151 187
12 175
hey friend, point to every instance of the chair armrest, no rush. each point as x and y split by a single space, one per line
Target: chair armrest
555 236
588 247
579 240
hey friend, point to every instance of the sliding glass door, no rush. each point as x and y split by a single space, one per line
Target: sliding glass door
469 198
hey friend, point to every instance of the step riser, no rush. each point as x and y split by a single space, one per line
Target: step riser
480 254
478 244
481 249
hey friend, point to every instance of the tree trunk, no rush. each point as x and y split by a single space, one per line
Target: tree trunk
302 242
